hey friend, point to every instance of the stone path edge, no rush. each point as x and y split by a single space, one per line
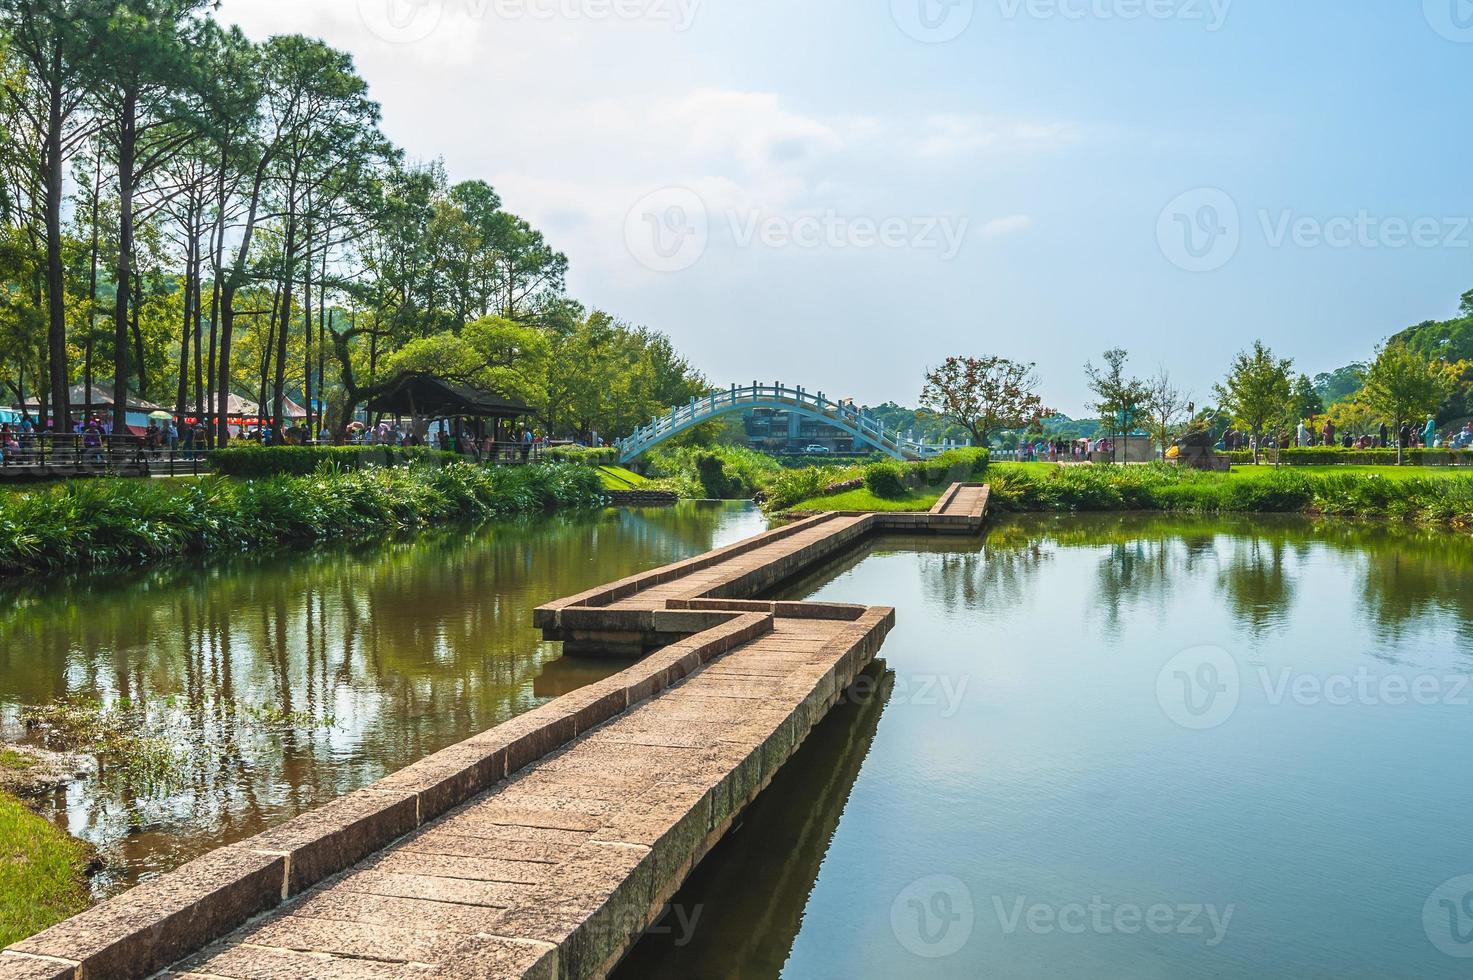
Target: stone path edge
151 926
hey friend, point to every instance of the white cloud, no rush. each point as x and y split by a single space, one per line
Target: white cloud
1001 227
956 134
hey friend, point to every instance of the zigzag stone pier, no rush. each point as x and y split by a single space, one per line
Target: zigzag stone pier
543 847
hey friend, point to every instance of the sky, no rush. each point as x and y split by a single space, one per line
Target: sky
840 194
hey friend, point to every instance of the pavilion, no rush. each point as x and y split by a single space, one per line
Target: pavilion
423 396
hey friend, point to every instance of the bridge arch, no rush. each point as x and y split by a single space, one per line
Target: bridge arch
865 430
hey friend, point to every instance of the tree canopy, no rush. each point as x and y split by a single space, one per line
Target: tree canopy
238 223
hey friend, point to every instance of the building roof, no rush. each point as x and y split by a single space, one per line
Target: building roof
101 399
427 396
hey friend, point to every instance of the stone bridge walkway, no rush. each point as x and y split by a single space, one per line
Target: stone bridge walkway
546 846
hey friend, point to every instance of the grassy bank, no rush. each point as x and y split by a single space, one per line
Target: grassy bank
878 486
120 522
1424 496
865 499
42 873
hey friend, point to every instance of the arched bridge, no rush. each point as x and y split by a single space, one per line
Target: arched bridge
866 430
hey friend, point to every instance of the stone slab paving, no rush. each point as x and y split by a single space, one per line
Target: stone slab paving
557 871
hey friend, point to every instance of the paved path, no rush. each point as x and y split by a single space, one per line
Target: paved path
500 886
544 847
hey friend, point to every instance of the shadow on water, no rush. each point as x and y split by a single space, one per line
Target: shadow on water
739 913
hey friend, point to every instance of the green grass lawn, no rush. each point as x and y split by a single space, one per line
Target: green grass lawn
862 499
1263 470
42 873
619 478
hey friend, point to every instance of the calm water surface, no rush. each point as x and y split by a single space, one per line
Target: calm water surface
281 682
1115 747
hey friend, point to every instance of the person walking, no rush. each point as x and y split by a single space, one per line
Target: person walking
526 446
1384 436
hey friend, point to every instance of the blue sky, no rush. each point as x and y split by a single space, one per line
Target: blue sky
834 194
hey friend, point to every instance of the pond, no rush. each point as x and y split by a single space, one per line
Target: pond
256 688
1120 747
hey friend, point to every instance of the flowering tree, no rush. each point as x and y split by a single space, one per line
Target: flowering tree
984 395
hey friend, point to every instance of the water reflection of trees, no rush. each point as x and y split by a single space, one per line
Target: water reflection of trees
406 646
1405 573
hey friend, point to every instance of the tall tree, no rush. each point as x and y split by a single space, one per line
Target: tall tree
1257 393
144 79
1305 403
1166 406
984 395
1404 386
54 39
1118 398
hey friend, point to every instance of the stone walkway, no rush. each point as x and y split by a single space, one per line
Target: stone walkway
557 871
544 847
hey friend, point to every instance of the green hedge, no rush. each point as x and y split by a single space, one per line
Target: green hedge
262 461
586 455
1443 500
1340 456
886 480
123 521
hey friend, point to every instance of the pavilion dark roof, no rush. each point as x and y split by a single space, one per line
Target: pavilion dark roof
430 397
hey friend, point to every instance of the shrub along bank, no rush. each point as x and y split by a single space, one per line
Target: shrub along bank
876 486
1444 500
261 461
1339 456
112 522
712 472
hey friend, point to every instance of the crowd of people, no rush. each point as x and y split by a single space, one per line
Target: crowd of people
1409 437
1063 450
